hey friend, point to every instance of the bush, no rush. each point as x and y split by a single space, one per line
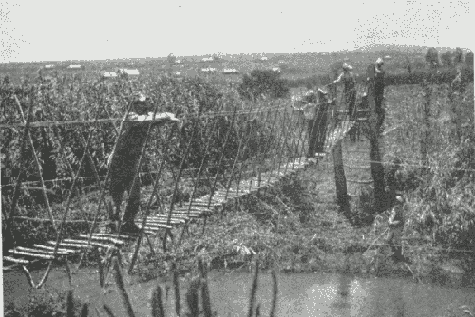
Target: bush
446 59
469 60
432 56
263 82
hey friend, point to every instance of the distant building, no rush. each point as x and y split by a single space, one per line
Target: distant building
208 70
276 69
263 58
230 71
281 61
109 75
48 67
129 72
207 59
387 57
75 67
177 73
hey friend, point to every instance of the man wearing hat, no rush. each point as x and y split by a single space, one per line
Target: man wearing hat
316 112
379 91
347 77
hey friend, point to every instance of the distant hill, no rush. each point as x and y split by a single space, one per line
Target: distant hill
292 65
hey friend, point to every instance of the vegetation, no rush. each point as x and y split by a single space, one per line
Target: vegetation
432 56
263 83
292 226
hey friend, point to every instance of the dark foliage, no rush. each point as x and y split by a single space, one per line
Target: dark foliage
263 82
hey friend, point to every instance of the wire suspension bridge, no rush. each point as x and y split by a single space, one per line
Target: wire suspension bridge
254 149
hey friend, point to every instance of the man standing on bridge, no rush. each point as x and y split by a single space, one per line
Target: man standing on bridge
347 77
316 112
124 164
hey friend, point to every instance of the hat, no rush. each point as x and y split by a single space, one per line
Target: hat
379 61
347 66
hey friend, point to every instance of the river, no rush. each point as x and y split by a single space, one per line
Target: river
306 294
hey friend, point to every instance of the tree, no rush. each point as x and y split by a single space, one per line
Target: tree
171 59
458 56
469 59
446 58
263 82
432 56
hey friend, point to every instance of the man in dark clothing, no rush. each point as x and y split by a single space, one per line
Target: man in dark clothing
124 165
122 168
347 77
316 112
379 91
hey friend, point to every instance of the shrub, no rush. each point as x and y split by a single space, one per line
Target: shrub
432 56
263 82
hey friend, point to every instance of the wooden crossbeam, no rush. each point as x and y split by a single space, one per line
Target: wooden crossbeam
59 249
101 238
31 250
85 243
15 260
112 235
71 245
33 255
164 218
153 225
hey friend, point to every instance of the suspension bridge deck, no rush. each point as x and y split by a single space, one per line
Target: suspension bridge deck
199 207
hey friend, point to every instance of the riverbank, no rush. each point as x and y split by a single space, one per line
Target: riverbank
296 227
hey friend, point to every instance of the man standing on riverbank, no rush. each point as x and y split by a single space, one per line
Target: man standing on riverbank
396 228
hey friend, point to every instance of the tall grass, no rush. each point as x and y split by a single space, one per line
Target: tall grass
440 196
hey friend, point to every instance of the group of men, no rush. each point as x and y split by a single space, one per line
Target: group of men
316 105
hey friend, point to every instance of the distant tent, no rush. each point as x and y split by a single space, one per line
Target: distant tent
75 67
208 70
230 71
109 75
128 72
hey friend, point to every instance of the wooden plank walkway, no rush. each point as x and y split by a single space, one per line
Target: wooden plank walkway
200 207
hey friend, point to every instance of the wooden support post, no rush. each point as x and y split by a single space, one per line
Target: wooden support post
377 169
340 179
427 90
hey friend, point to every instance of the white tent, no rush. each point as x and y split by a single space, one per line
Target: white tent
75 67
109 74
130 72
230 71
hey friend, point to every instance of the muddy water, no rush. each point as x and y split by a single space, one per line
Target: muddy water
316 294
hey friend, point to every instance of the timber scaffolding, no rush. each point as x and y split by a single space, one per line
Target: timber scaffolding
276 160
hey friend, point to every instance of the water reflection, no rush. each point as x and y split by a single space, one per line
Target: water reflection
299 295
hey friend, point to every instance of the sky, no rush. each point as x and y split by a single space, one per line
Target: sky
50 30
